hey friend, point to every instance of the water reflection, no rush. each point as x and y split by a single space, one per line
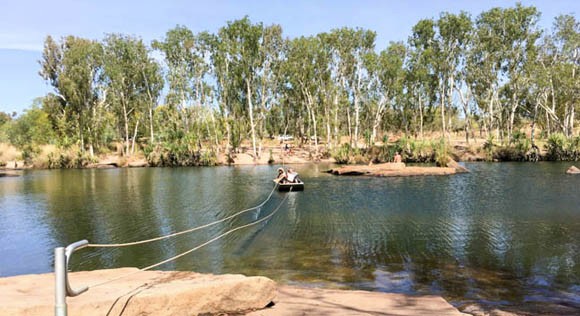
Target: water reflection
502 234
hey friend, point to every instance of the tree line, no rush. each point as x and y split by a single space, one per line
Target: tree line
187 97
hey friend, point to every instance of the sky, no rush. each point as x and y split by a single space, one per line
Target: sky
24 25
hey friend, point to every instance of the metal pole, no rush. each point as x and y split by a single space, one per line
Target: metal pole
60 308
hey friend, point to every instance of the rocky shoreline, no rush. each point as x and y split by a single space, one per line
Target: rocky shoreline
163 293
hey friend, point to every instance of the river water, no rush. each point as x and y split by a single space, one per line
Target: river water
506 234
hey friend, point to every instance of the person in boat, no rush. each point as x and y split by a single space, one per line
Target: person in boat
292 176
282 177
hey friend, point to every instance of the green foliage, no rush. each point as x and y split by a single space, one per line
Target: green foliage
558 147
31 129
342 154
521 142
182 152
488 148
442 153
4 118
246 81
574 149
208 158
380 154
29 151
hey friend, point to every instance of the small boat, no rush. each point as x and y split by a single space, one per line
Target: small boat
295 186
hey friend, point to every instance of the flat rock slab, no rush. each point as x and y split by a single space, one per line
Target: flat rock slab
392 170
137 164
143 293
8 174
310 301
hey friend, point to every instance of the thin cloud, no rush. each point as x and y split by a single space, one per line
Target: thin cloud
26 42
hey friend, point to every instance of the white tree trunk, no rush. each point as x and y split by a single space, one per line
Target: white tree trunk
251 112
378 118
134 137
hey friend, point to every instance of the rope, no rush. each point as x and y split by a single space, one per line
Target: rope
185 231
194 248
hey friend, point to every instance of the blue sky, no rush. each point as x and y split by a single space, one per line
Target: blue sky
24 24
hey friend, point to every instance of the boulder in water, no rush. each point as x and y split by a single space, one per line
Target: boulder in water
573 170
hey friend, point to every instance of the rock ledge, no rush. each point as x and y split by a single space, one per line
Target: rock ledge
144 293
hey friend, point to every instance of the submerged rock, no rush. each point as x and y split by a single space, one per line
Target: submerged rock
573 170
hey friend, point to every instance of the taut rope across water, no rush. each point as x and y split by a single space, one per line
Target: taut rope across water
190 230
182 232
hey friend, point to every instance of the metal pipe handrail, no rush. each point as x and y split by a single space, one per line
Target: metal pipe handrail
63 289
68 254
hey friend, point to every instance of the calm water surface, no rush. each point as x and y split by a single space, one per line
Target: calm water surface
505 234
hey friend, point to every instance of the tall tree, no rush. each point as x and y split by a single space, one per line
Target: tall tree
422 79
351 46
74 69
453 39
187 59
387 74
126 58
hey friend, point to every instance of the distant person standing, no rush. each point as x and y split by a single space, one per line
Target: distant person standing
398 158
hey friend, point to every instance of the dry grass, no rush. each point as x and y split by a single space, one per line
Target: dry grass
9 153
42 159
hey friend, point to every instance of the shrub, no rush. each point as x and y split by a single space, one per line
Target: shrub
509 153
179 153
29 151
208 158
342 154
66 159
555 147
573 148
325 154
442 153
488 148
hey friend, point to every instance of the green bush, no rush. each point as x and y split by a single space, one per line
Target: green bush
509 153
442 153
208 158
573 148
181 153
29 151
555 147
342 154
488 148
